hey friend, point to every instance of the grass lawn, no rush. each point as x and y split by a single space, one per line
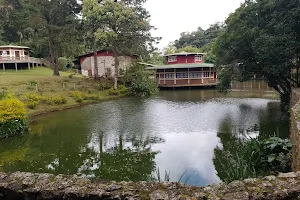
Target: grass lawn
19 83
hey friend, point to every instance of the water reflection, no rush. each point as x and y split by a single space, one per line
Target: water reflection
129 138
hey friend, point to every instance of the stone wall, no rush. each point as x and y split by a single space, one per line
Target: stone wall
30 186
295 128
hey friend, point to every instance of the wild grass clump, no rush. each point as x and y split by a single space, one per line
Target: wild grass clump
253 158
31 85
103 86
13 119
80 96
121 90
34 99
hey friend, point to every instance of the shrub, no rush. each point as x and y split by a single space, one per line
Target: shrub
33 97
32 104
113 92
140 80
122 89
103 86
78 96
62 63
253 158
58 100
12 117
3 94
93 97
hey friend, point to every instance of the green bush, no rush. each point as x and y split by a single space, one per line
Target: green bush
78 96
93 97
103 86
140 80
13 119
113 92
32 104
62 63
253 158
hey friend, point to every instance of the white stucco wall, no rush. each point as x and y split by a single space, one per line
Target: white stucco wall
106 65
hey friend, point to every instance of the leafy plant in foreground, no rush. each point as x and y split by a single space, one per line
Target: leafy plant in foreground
253 158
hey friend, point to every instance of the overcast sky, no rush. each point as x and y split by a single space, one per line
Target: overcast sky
172 17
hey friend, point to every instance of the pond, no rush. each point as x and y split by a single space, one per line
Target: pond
170 136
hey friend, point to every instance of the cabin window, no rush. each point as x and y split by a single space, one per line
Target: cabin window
195 75
4 53
205 74
26 53
172 58
182 75
169 76
198 58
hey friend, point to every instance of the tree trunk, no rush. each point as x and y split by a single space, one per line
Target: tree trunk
116 71
96 75
53 59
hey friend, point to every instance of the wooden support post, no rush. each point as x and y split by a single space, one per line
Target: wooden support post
164 76
33 65
188 75
175 81
16 66
3 66
202 75
28 66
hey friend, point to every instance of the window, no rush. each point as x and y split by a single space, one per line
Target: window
198 58
205 74
5 53
172 58
182 75
169 76
195 74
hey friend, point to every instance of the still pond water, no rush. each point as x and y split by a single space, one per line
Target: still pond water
174 133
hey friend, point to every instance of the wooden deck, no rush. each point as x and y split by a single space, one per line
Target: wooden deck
18 61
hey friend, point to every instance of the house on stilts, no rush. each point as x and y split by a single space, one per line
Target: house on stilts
17 57
185 70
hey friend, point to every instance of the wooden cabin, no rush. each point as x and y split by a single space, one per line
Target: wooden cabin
185 70
106 63
17 57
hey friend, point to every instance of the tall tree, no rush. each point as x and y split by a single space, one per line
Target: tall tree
58 25
120 26
262 37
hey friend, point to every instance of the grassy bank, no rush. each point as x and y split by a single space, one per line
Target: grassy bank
23 84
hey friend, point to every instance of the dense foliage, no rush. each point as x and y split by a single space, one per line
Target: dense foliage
140 81
50 28
238 159
12 116
121 26
262 38
201 39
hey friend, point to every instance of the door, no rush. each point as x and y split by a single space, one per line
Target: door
17 55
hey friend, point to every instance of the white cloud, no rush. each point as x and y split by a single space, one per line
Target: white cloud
172 17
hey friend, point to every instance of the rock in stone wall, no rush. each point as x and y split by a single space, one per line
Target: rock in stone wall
27 186
295 128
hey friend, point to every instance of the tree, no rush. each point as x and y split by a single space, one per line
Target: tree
48 27
122 27
201 39
59 28
262 37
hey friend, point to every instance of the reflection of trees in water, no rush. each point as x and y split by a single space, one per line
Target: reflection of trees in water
232 133
58 153
119 163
